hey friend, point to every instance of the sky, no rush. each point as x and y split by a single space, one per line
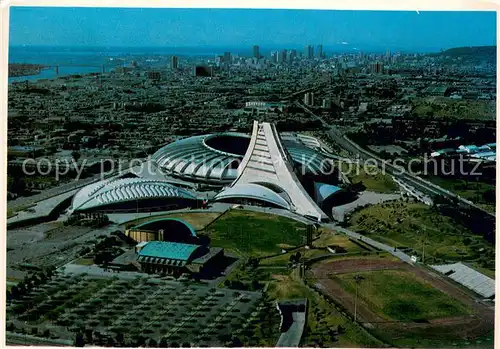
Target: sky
236 28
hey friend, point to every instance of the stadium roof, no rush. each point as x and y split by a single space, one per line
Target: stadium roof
253 191
114 191
468 277
168 250
324 191
188 226
192 159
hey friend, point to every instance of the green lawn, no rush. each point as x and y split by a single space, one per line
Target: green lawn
444 108
470 190
255 234
399 295
415 225
327 238
84 261
322 317
371 178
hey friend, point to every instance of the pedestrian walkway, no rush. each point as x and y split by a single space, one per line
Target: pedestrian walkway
396 253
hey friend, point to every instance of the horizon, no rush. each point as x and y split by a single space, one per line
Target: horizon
334 49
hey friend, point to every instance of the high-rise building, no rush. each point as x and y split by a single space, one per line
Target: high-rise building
376 68
274 56
256 52
154 75
203 70
174 62
327 104
282 56
219 60
309 98
319 52
309 52
293 54
227 57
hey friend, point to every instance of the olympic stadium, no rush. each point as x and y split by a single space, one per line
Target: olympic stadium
287 171
214 158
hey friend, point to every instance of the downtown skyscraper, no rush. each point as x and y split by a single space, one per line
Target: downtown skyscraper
309 52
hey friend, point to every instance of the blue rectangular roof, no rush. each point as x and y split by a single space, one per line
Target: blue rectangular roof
167 249
484 154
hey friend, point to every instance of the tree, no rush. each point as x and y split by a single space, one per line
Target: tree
79 342
489 195
89 336
18 185
119 338
10 327
140 340
340 329
255 285
152 343
236 342
75 155
163 343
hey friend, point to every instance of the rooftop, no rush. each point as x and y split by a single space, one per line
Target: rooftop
170 250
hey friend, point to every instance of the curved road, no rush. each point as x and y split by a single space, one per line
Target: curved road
398 172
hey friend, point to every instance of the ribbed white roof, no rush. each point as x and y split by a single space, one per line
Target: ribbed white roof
253 191
126 189
468 277
191 159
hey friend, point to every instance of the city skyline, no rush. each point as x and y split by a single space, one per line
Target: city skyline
352 30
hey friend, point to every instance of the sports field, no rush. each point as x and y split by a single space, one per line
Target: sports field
400 295
405 306
254 233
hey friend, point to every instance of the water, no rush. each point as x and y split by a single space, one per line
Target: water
70 61
85 60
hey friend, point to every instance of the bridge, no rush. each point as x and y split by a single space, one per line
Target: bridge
102 67
266 174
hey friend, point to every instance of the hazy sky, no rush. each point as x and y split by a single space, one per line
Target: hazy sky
193 27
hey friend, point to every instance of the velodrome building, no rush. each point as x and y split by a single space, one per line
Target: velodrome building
265 168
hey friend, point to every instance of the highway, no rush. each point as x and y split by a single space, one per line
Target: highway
398 172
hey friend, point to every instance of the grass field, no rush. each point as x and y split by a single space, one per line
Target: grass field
322 317
440 107
415 225
469 190
84 261
198 220
399 295
327 238
255 234
370 176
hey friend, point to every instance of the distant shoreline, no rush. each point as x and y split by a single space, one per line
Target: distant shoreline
24 69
